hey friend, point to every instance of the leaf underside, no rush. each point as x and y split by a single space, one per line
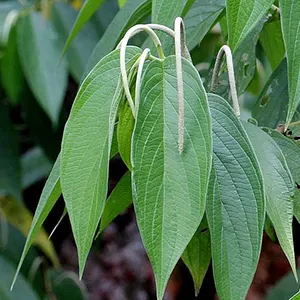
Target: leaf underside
169 189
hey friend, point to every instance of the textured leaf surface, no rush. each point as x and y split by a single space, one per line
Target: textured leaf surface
290 22
39 49
197 255
235 204
119 199
272 42
86 12
242 17
279 187
166 11
291 152
124 133
83 44
133 12
169 189
10 177
49 196
86 148
271 106
200 18
22 288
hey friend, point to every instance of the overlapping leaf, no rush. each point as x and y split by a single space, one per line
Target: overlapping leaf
279 187
197 255
86 148
49 196
83 44
40 50
235 204
290 22
133 12
119 199
242 17
169 188
87 10
200 18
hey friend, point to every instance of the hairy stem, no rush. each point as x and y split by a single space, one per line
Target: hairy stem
227 51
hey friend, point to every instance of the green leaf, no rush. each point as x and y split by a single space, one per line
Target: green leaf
285 288
244 60
290 22
272 42
235 204
49 196
271 106
291 152
86 148
197 255
12 77
169 188
65 285
200 18
121 3
279 188
242 18
119 199
270 231
10 177
22 289
83 44
295 297
39 50
87 10
165 12
35 167
5 8
133 12
124 133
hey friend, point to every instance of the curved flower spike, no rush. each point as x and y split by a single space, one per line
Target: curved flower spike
122 45
179 50
227 51
142 60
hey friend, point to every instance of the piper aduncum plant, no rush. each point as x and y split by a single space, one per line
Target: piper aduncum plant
202 180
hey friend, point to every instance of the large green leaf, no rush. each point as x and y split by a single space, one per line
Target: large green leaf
83 44
39 50
197 255
119 199
290 22
166 11
271 106
10 177
22 289
86 148
279 187
133 12
12 77
49 196
242 17
291 152
199 19
86 12
272 42
169 188
235 204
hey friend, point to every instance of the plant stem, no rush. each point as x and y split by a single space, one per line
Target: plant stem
295 123
229 61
